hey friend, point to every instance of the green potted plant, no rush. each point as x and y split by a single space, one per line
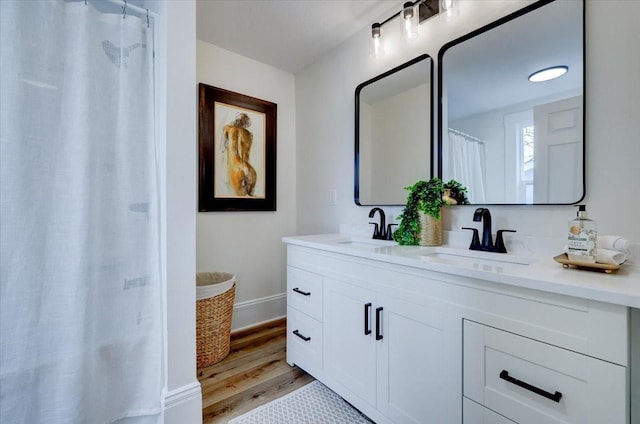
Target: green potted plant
420 221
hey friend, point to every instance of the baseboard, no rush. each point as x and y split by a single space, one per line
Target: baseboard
256 311
184 404
182 394
258 326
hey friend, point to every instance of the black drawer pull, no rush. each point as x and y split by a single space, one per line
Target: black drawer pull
378 323
304 293
305 338
367 329
553 396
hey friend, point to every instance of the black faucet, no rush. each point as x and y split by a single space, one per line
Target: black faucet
483 214
379 232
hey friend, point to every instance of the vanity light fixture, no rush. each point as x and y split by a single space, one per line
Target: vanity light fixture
446 5
548 74
411 15
448 8
376 48
409 21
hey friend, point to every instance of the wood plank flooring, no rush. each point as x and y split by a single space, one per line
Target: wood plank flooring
254 373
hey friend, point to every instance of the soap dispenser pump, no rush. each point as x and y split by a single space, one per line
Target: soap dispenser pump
582 237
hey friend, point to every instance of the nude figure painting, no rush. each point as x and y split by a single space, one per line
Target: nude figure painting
237 152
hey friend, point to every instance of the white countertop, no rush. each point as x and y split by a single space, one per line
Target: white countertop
542 273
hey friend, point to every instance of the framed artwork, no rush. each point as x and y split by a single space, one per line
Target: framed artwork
237 152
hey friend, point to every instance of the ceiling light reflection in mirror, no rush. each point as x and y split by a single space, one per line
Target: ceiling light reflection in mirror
548 74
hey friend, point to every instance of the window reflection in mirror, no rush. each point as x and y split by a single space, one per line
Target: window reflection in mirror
393 136
507 139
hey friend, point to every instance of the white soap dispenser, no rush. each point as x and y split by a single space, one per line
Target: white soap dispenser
583 233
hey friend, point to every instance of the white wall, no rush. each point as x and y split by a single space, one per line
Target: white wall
183 400
249 244
325 104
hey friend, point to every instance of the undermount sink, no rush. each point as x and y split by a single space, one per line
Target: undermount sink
366 244
455 256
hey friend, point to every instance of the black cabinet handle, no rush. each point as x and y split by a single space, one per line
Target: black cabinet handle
553 396
305 338
304 293
378 323
367 329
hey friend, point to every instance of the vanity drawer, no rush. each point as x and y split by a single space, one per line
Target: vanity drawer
473 413
304 341
531 382
304 291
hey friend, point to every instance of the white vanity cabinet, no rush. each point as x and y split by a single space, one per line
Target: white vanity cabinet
405 344
386 351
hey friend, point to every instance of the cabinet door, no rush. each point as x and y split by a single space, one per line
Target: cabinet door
350 354
412 364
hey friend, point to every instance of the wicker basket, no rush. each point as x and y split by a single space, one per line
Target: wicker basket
213 316
430 230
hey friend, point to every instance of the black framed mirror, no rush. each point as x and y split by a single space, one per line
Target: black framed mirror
393 133
507 139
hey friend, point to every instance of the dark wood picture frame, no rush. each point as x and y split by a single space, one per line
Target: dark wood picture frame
237 151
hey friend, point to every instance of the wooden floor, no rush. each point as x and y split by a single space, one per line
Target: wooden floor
254 373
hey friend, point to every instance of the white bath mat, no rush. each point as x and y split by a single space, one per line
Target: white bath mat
314 403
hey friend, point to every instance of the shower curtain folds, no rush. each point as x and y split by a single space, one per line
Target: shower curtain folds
465 161
80 282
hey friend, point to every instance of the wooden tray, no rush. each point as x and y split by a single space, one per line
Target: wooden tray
591 266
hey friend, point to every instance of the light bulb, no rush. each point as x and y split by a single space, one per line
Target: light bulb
448 9
409 21
376 47
446 5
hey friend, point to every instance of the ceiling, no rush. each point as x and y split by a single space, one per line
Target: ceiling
292 34
287 34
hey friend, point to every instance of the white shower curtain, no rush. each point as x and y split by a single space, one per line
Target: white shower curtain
81 292
466 160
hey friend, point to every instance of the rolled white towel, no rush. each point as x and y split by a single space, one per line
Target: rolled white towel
612 243
606 256
611 257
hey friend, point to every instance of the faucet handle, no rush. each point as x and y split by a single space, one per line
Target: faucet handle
389 235
500 247
475 240
376 231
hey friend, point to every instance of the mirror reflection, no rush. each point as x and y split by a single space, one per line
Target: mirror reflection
507 139
393 137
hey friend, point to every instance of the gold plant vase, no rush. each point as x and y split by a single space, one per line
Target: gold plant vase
430 230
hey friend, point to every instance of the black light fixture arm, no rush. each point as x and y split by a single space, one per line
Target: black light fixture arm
431 8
